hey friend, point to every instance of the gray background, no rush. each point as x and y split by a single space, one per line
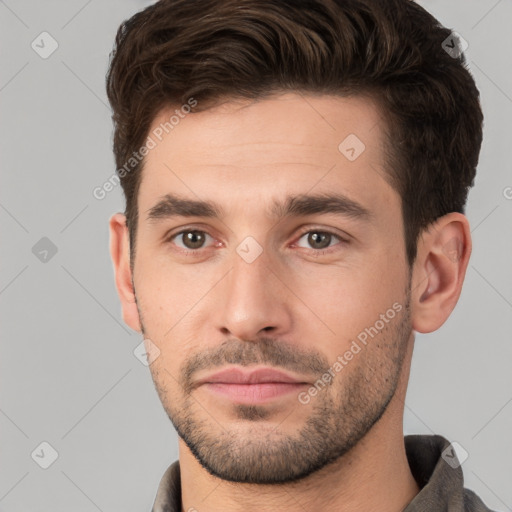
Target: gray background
68 373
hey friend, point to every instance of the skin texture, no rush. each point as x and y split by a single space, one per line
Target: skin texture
297 307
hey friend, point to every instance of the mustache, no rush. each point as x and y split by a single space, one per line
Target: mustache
265 350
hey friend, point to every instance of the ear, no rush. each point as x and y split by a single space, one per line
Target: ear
439 270
120 254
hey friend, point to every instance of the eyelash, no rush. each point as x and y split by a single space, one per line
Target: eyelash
193 252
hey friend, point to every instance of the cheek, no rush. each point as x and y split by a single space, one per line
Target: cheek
341 301
167 293
169 299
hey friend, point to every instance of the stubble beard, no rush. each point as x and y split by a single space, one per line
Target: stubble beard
260 452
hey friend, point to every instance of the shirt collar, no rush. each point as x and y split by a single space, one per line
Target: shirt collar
437 471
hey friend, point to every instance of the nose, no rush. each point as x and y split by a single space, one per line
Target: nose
252 299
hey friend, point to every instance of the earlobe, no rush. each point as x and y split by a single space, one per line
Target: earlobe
439 271
120 254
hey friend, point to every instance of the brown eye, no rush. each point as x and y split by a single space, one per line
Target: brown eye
191 239
318 239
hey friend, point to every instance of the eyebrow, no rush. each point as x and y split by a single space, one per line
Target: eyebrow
300 205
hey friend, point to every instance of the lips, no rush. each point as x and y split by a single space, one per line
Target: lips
254 387
260 376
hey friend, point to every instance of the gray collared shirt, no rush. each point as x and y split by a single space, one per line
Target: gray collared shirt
439 478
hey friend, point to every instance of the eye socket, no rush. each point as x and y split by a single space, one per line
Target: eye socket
193 239
319 239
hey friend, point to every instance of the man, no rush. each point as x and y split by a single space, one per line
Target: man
295 175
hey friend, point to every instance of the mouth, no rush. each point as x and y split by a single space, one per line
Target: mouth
259 386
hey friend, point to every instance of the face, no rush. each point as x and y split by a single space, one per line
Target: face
279 246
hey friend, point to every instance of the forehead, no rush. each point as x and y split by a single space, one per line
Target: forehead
287 119
245 151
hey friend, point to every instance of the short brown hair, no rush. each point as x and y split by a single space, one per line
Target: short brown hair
394 50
